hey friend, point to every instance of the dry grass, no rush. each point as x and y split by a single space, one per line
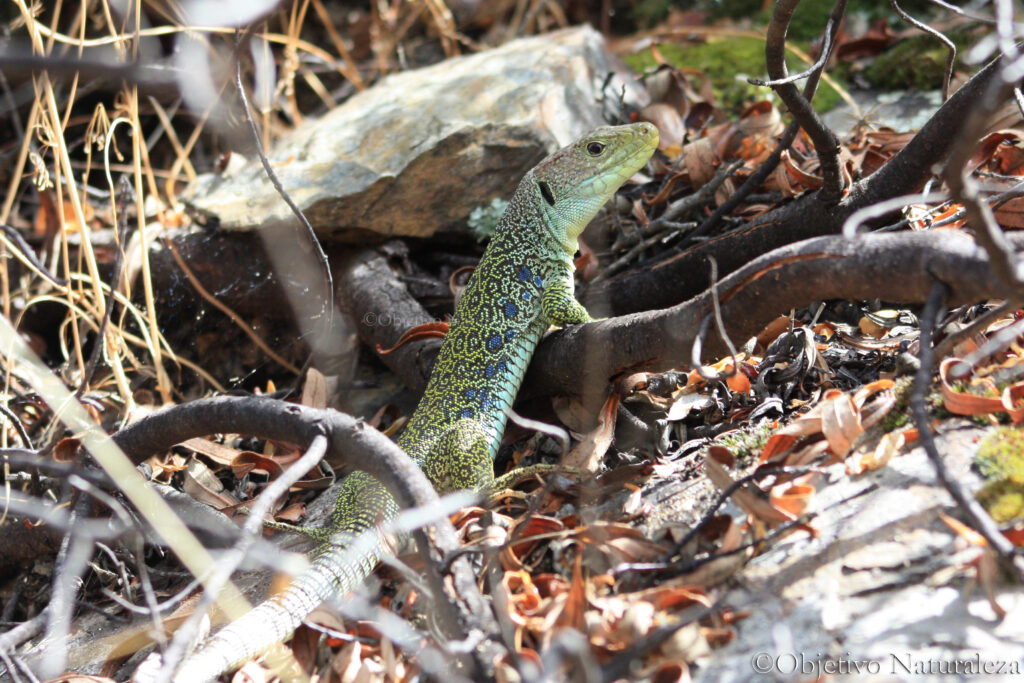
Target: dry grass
95 178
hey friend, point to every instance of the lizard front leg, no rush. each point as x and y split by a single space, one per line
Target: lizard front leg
560 305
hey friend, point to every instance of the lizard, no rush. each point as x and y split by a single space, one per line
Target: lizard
523 284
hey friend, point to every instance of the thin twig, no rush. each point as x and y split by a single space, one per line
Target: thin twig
976 515
826 145
975 327
950 57
20 247
71 561
26 441
230 562
817 66
755 179
276 182
852 224
124 194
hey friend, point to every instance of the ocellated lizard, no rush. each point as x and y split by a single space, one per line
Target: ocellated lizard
523 284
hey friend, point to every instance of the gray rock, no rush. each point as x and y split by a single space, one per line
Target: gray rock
881 590
416 153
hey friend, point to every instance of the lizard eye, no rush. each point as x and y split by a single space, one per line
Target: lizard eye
595 148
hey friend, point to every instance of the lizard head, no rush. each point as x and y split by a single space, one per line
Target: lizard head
572 185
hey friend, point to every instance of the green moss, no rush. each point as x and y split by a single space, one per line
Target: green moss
746 443
809 19
917 63
1000 459
727 62
899 415
1003 500
1001 454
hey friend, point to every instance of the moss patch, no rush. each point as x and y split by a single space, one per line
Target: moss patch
899 415
727 62
1001 461
916 63
746 443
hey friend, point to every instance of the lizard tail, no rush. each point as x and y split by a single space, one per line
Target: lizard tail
337 570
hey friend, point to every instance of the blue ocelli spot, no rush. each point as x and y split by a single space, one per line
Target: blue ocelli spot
537 281
494 342
527 296
510 335
466 412
502 366
470 393
524 274
489 371
511 309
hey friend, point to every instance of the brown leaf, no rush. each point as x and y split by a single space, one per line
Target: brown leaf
247 461
872 42
314 392
749 502
772 331
574 608
888 447
587 264
792 497
700 161
674 671
624 542
669 122
200 483
522 596
1010 214
840 423
219 453
524 532
48 219
587 455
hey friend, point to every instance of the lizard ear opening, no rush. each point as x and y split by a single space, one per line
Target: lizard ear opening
545 191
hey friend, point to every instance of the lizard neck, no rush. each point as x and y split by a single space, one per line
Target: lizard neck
493 333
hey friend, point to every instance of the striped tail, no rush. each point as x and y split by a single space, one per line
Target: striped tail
338 569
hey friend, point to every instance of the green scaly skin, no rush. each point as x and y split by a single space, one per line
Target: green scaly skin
524 283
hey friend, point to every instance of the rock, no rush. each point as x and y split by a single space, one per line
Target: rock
880 593
416 153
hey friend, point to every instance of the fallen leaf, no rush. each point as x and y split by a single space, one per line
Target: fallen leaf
588 454
432 330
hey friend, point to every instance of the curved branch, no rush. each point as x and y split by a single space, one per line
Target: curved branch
359 446
580 360
684 275
826 144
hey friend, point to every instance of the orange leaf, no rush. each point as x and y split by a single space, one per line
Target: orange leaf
574 609
793 497
247 461
432 330
965 532
1012 400
1015 535
961 403
750 503
840 423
